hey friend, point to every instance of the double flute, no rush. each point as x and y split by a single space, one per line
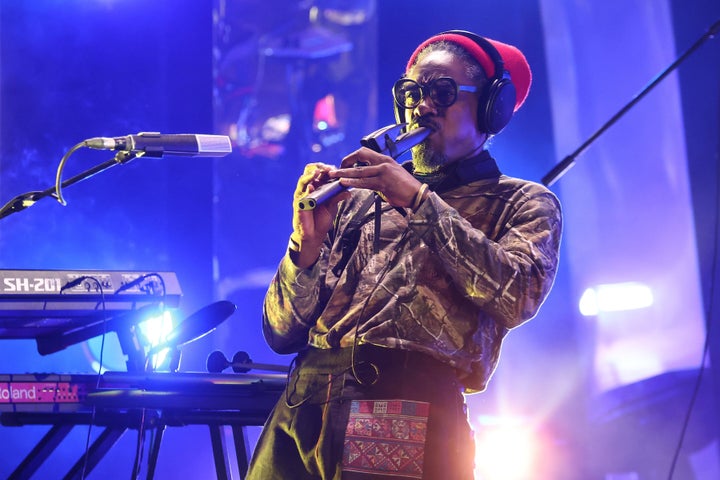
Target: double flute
381 141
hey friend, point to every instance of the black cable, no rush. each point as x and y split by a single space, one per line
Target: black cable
356 337
98 288
708 322
691 406
139 280
353 363
58 174
140 445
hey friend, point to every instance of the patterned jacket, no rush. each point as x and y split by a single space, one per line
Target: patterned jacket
449 280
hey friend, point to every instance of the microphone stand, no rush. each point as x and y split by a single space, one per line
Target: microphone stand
25 200
561 168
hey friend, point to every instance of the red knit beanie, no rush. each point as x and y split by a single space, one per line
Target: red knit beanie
515 62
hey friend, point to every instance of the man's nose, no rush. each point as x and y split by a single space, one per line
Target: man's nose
426 106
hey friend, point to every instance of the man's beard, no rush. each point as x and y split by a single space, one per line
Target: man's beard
427 160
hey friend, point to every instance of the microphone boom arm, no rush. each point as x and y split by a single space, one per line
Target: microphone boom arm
25 200
561 168
150 144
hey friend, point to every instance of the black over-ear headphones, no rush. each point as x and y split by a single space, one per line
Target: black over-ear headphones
496 104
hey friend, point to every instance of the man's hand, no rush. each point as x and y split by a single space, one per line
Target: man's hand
310 227
381 174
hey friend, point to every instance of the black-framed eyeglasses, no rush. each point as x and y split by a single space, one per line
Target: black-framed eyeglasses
443 91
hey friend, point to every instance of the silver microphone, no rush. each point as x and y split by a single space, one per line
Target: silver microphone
153 144
381 141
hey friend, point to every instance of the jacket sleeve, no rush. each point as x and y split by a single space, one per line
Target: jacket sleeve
292 299
510 274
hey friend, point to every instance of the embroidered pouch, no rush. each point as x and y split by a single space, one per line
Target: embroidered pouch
385 438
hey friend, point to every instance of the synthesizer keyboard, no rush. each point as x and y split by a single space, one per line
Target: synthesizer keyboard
33 288
70 393
58 308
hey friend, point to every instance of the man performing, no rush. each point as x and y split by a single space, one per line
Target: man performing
396 293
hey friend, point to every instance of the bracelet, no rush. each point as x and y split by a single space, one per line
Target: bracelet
419 196
294 245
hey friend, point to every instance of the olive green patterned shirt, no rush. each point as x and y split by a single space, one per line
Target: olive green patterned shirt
449 280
